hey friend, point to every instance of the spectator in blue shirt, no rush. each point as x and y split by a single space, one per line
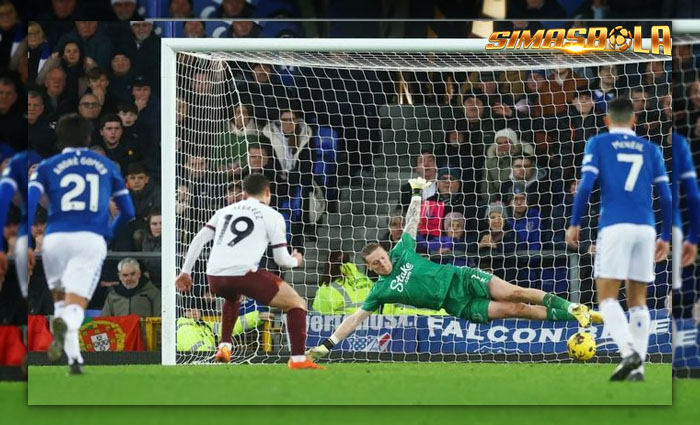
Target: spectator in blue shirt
525 222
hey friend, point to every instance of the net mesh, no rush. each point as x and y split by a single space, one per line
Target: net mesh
500 135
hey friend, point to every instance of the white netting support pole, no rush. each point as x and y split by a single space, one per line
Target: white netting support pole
168 161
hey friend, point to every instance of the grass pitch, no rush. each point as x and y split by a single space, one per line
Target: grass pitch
348 384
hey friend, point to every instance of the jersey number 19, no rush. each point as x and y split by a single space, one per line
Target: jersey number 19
238 233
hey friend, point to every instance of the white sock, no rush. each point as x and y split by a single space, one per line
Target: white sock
73 315
58 307
639 329
616 324
300 358
226 344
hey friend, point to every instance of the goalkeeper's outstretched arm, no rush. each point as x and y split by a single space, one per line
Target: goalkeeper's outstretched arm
413 213
346 328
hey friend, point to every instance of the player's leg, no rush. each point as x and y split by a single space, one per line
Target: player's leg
266 288
507 309
640 319
556 308
54 260
229 315
641 272
80 277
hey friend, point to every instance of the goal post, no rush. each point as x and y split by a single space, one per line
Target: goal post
419 113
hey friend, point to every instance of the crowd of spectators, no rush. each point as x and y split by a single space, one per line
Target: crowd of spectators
503 177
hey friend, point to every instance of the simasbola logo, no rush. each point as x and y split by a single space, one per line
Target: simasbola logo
581 40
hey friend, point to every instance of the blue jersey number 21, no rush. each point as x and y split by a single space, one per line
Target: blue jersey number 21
637 160
68 202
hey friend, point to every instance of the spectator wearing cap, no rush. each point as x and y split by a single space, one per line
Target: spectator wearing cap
98 82
41 133
180 9
580 123
231 9
426 167
58 100
121 76
194 29
525 222
139 135
13 127
111 140
147 104
497 237
607 86
143 47
244 29
94 42
499 158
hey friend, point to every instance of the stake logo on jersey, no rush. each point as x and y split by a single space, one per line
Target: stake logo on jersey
404 276
79 184
627 167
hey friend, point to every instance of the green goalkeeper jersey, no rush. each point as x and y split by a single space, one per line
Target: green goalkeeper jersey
414 280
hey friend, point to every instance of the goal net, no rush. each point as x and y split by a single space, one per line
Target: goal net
686 111
501 136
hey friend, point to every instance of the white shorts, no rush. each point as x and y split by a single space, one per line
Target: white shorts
677 252
73 261
22 264
625 251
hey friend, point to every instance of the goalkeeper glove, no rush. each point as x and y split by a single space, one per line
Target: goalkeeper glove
418 185
321 350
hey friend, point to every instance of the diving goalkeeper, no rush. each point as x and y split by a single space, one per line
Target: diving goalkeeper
472 294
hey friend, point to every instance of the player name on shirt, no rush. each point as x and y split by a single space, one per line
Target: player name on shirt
83 160
628 144
247 207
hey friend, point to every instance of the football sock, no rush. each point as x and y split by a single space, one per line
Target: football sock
616 324
296 327
558 315
229 315
73 315
553 301
639 328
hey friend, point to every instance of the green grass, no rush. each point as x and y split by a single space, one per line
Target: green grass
348 384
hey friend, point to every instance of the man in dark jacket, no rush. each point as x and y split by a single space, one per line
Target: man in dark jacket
121 151
42 135
134 294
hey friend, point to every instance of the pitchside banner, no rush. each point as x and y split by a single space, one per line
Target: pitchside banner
448 335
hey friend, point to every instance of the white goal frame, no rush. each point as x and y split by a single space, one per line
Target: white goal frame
169 50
